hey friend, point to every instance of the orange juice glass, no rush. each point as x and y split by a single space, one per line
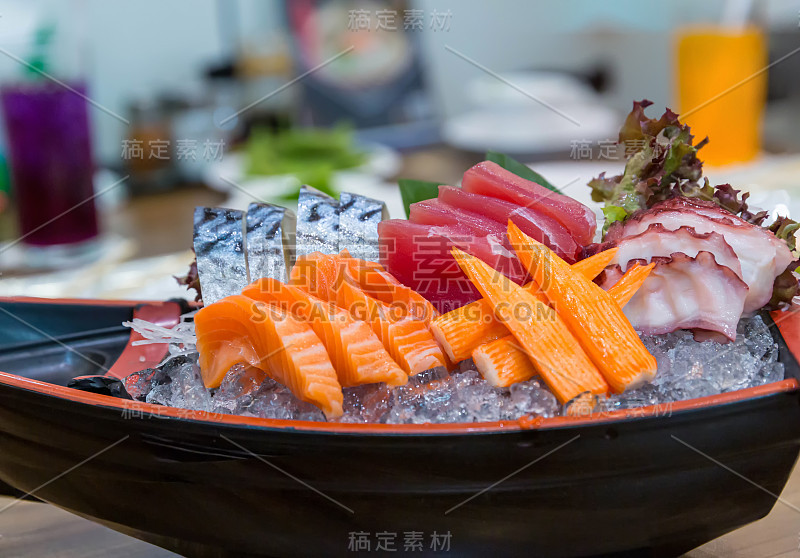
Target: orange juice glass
721 89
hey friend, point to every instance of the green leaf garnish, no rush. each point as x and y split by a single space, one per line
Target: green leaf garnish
523 171
613 214
413 191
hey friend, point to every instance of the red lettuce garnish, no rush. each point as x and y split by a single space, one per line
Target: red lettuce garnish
192 279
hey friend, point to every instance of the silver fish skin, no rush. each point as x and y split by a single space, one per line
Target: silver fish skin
358 225
268 241
317 223
219 246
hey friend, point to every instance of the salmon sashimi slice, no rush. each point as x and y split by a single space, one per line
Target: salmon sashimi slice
464 329
358 356
552 348
407 340
316 273
592 315
378 283
237 329
503 362
535 223
490 179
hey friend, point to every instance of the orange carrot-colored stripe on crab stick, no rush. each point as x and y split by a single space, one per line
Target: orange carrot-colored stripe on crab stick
623 290
558 357
503 362
593 316
592 266
464 329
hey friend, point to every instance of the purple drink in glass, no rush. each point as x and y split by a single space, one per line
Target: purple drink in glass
50 154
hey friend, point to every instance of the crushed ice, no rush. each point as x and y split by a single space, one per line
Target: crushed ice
686 369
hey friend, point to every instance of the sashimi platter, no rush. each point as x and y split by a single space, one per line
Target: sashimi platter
499 299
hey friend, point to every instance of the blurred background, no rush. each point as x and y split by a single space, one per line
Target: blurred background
119 117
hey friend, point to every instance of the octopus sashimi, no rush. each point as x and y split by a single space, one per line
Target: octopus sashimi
657 241
684 292
761 254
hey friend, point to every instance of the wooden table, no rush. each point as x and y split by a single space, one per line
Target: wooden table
34 530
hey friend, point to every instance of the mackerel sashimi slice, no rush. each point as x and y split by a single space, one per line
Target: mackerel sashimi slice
534 223
490 179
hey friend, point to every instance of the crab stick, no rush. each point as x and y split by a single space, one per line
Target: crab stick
464 329
551 347
503 362
591 313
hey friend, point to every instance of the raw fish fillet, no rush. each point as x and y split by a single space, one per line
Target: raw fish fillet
495 249
378 283
490 179
357 354
268 241
358 225
317 223
316 274
419 257
238 329
219 246
408 340
533 222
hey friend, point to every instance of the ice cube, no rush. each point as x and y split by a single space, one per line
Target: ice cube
529 398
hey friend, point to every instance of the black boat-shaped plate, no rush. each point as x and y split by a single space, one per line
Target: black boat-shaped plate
655 481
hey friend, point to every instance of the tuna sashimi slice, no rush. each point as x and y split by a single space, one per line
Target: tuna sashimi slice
355 351
533 222
490 179
419 257
237 329
440 212
486 235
